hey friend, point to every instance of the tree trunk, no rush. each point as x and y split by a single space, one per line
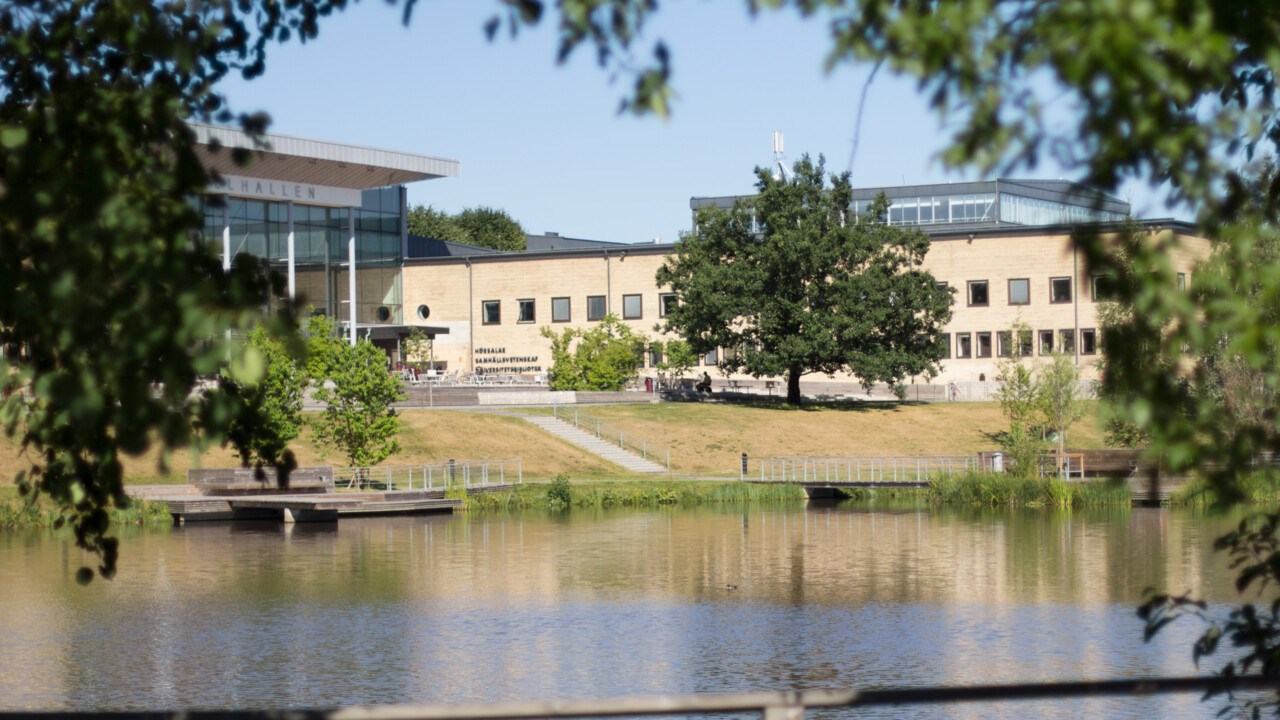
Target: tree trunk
793 386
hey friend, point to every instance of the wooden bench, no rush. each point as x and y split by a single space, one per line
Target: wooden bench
1097 463
242 481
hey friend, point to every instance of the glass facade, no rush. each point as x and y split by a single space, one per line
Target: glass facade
1020 210
933 210
260 228
987 208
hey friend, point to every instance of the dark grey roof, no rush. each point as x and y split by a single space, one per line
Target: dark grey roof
555 241
936 232
424 247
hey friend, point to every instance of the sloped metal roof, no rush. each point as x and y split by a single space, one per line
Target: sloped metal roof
316 162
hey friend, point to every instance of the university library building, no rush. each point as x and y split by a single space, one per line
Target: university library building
332 218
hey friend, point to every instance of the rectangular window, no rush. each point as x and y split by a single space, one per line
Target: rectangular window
524 311
1103 288
944 345
984 344
1046 342
1024 343
632 307
491 312
1004 343
1020 291
941 285
595 307
560 309
964 345
977 292
1182 282
1060 290
711 358
666 303
1067 341
655 355
1088 341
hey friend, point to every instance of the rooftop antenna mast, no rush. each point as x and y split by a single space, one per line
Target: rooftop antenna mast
781 168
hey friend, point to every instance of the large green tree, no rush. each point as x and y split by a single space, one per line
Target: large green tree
491 228
426 221
816 290
482 226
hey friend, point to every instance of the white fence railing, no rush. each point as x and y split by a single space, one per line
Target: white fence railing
784 705
464 473
867 469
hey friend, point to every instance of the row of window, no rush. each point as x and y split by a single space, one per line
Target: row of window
1060 290
562 308
980 344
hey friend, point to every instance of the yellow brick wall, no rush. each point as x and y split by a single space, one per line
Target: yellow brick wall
455 292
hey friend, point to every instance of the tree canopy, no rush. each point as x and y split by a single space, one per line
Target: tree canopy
604 357
426 221
491 228
358 419
482 226
814 290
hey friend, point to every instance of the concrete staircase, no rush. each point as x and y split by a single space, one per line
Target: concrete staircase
589 442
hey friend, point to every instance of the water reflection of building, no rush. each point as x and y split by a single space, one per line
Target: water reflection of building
430 607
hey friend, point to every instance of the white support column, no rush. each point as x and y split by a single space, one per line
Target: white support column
351 271
226 233
293 275
226 254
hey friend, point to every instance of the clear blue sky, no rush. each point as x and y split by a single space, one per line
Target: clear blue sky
545 142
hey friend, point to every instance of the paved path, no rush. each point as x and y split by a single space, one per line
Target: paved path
589 442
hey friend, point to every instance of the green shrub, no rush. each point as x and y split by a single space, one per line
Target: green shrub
560 492
1001 489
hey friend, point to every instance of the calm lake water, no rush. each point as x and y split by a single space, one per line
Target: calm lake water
541 605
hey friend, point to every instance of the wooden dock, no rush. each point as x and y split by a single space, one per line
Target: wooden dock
311 496
211 501
188 507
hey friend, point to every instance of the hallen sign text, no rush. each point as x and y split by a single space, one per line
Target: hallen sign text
277 190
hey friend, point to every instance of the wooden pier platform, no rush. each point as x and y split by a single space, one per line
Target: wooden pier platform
311 496
325 507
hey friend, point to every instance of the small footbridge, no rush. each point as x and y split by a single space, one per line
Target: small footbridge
824 476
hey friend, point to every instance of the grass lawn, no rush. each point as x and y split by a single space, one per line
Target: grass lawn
709 438
704 438
428 437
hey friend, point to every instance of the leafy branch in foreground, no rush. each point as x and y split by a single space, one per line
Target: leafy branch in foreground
1252 629
111 313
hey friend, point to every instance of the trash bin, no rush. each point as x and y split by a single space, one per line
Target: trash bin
648 385
997 462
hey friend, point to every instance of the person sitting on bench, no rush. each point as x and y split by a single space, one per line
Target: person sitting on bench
704 386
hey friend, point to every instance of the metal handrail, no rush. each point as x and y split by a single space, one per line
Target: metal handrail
851 468
603 431
784 705
433 476
791 705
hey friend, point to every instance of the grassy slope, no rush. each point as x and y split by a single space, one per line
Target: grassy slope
710 437
704 438
428 437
